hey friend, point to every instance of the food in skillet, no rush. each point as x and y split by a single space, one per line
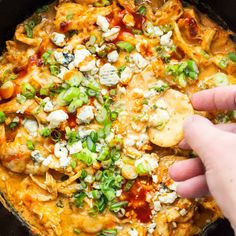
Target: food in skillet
93 98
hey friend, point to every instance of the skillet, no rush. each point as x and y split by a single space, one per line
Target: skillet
12 12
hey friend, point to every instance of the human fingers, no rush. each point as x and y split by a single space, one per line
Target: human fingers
206 140
186 169
193 188
225 127
222 98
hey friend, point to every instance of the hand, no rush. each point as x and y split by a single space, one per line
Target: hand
214 172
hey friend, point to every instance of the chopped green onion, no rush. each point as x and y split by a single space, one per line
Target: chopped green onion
143 168
74 105
110 194
112 92
114 115
95 194
45 132
54 69
115 154
69 16
83 97
103 154
90 144
102 3
91 93
128 47
232 56
28 91
128 185
221 79
108 232
55 135
79 199
71 94
77 231
2 117
142 10
30 145
101 133
98 175
101 204
44 92
85 156
12 125
181 80
75 79
115 207
223 63
84 174
94 136
42 9
192 66
73 164
102 116
121 69
205 54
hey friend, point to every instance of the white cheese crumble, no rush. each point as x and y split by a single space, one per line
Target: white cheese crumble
133 232
157 205
64 162
75 147
138 60
58 39
63 71
37 156
155 179
113 56
143 139
47 161
151 228
56 118
60 57
91 65
126 75
48 107
86 114
31 126
130 140
108 75
118 193
168 198
111 34
80 55
166 39
183 212
60 150
83 133
88 179
157 31
103 23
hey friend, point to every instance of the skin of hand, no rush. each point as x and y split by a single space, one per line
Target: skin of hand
214 172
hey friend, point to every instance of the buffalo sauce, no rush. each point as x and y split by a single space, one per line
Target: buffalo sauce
136 197
72 120
116 19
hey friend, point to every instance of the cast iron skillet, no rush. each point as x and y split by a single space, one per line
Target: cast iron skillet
12 12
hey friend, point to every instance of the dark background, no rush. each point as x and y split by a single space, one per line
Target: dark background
13 12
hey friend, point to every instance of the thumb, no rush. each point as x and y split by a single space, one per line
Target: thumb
206 140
